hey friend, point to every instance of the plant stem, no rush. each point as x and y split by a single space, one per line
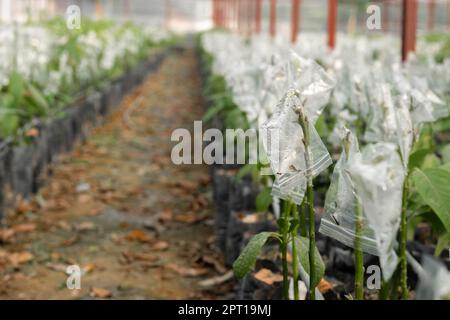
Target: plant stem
359 261
304 123
283 246
312 240
302 219
403 238
295 272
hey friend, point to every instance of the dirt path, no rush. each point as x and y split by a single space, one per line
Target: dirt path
138 226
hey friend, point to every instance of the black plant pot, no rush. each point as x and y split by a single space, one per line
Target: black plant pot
241 227
250 288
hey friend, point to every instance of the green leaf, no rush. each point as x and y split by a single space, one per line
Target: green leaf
16 86
264 199
431 161
38 99
245 170
433 185
211 112
442 243
302 246
321 126
417 157
445 166
247 259
445 152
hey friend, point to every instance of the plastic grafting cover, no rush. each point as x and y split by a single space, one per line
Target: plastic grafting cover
283 136
377 174
426 106
391 122
434 281
340 202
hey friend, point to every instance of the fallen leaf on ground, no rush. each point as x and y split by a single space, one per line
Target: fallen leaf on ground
268 277
18 258
325 286
130 257
100 293
186 271
219 267
160 245
56 266
217 280
25 227
166 216
87 268
188 218
23 206
84 198
71 241
64 225
138 235
85 226
33 132
6 235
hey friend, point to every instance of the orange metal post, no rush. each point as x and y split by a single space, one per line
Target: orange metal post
167 13
258 7
385 17
295 17
409 26
332 21
214 12
431 14
273 18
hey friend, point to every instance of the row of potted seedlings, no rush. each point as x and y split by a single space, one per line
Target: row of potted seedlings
365 207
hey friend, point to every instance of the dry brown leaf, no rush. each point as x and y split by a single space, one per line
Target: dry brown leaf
85 226
268 277
87 268
23 206
129 256
186 271
100 293
56 266
18 258
186 185
64 225
84 198
25 227
166 215
33 132
325 286
70 241
160 245
138 235
7 235
188 218
218 266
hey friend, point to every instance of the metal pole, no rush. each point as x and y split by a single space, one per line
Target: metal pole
258 16
409 26
295 17
332 20
273 18
431 15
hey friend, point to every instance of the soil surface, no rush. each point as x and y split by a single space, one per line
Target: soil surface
138 226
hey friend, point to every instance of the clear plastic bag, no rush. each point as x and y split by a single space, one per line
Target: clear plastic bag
341 201
378 176
434 281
